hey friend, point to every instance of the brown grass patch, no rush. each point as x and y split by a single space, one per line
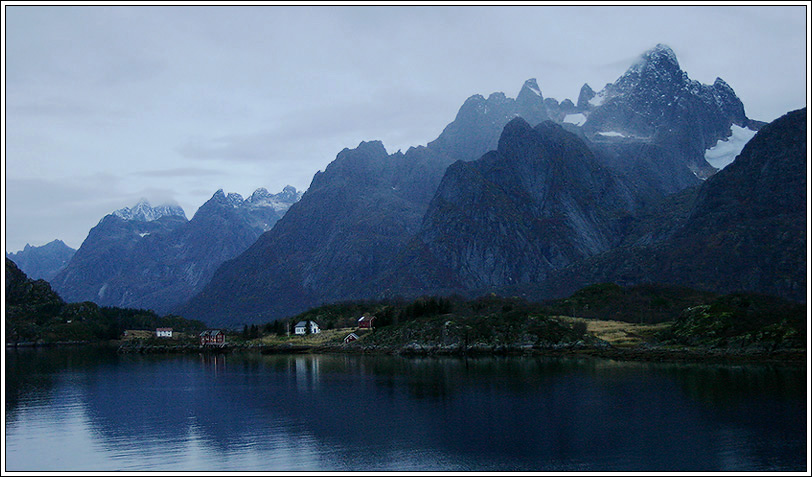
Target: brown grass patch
620 333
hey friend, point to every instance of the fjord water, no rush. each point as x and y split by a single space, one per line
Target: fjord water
86 409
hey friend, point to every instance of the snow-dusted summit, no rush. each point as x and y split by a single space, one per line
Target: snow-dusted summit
144 212
279 202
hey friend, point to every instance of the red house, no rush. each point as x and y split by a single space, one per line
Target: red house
213 338
366 322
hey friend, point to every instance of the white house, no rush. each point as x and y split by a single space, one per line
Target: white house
163 332
301 327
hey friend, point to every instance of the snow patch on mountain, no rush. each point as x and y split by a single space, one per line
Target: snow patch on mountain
279 202
577 119
726 150
598 99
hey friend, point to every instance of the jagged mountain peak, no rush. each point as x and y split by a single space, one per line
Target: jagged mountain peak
288 193
234 199
661 54
144 212
656 61
375 147
532 86
515 127
656 65
531 104
721 84
586 94
280 202
259 194
231 199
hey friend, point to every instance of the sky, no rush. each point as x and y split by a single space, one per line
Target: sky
105 105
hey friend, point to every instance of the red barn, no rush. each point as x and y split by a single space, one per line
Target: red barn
212 338
366 322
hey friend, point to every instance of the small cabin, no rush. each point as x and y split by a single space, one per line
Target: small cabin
213 338
301 328
366 322
163 332
350 338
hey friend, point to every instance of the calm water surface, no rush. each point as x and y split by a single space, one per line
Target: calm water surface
81 409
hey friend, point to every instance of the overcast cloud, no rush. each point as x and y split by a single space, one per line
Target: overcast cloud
105 105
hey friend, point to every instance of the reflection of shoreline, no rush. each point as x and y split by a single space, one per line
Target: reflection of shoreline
647 353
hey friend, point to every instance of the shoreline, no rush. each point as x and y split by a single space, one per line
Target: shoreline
645 353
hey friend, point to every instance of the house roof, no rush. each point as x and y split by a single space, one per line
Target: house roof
304 323
366 318
210 332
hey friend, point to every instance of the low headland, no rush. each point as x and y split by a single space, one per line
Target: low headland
642 323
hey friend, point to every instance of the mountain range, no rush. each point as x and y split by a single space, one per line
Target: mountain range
512 193
154 258
523 197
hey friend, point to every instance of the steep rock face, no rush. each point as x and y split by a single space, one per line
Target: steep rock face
43 262
537 203
585 95
156 261
744 230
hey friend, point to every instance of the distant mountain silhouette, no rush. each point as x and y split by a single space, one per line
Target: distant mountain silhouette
43 262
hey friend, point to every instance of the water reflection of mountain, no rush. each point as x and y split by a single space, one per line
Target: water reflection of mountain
325 412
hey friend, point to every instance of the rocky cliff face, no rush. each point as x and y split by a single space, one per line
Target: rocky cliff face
536 204
743 229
